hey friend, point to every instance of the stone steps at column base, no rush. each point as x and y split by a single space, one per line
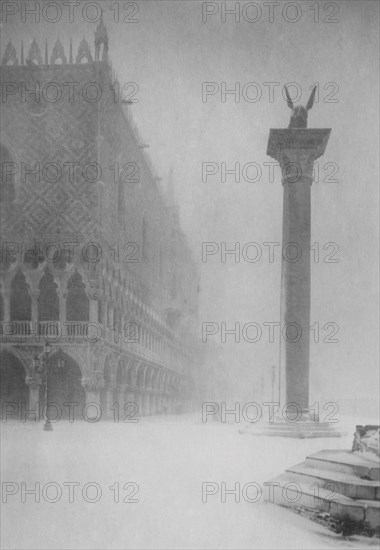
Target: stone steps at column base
345 484
344 461
301 429
284 490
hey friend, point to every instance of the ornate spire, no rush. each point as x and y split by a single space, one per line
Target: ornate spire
101 37
35 52
46 53
71 51
58 53
22 53
84 52
10 54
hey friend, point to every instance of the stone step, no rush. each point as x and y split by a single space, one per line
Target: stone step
285 491
346 462
297 430
346 484
372 512
308 423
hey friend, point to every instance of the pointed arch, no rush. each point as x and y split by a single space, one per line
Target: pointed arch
48 300
65 383
21 302
77 302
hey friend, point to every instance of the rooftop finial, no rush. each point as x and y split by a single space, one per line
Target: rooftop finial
58 53
84 52
10 55
35 53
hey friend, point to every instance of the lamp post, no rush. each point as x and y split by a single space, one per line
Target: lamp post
41 365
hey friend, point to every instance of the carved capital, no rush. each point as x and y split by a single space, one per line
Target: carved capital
297 165
34 381
94 293
93 381
296 150
34 293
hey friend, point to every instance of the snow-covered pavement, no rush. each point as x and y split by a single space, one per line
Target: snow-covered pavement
165 461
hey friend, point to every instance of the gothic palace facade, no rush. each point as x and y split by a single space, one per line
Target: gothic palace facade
93 260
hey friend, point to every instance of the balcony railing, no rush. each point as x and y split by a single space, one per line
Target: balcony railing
76 331
44 329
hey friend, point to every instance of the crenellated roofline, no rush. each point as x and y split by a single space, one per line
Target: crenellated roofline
35 56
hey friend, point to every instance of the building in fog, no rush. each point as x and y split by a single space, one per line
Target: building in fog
93 257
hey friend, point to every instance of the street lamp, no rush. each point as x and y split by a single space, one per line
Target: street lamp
41 365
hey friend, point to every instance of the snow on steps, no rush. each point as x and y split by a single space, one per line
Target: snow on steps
331 482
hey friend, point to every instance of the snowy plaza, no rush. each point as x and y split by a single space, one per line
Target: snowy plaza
82 469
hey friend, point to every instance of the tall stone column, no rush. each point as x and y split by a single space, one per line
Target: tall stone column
130 396
296 149
139 401
92 384
62 306
34 294
34 405
109 403
146 403
7 305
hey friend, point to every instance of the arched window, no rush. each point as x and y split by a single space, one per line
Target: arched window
48 301
21 302
77 303
121 204
7 172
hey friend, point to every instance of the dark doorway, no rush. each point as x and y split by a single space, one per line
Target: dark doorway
64 386
12 384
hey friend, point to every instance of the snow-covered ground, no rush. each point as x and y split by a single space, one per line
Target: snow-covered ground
168 458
